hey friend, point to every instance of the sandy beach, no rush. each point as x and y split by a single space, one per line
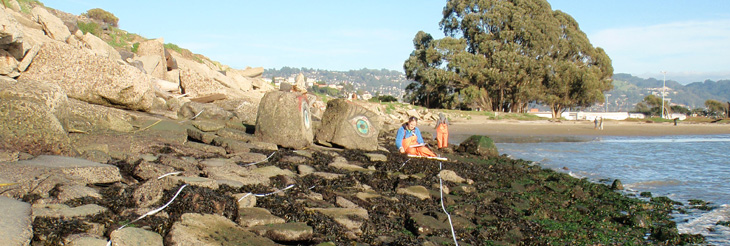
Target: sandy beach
500 128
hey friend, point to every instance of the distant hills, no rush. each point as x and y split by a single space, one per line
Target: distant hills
628 90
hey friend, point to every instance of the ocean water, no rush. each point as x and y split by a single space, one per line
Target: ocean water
679 167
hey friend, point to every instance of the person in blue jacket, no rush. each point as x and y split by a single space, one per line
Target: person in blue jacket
409 140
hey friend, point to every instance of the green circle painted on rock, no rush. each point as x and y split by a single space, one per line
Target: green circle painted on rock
362 126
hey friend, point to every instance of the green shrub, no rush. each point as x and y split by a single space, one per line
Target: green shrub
173 47
135 47
27 5
103 16
90 27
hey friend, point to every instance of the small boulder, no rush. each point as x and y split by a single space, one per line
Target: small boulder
65 211
249 217
288 232
100 47
252 72
8 64
479 145
198 110
52 25
209 229
131 236
417 191
15 222
617 185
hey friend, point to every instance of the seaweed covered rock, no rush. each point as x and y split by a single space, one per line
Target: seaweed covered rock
284 119
349 125
479 145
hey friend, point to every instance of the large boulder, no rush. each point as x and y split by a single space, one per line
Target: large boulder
349 125
199 80
84 117
242 82
28 125
48 93
245 109
152 53
479 145
283 118
87 78
52 25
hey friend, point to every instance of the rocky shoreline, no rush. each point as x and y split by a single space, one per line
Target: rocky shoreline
334 196
156 148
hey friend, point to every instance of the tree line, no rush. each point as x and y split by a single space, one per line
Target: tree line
652 106
502 55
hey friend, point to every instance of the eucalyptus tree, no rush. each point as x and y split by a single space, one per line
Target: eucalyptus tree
503 54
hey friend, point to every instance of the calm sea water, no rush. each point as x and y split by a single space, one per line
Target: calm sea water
679 167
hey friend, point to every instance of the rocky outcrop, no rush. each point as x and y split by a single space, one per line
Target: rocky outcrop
52 25
84 77
349 125
284 119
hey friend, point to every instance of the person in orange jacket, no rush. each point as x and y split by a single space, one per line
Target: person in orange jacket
409 140
442 131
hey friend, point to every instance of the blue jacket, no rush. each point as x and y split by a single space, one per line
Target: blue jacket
404 133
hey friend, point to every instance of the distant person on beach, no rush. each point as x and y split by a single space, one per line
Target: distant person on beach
595 123
409 140
600 124
442 131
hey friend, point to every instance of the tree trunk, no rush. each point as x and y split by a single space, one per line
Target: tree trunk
556 109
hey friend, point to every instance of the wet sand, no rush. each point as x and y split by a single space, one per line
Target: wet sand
480 125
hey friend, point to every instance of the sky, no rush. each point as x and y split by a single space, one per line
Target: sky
689 40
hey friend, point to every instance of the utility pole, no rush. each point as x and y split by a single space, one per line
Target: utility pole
664 86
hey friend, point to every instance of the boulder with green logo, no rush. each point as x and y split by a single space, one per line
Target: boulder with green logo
349 125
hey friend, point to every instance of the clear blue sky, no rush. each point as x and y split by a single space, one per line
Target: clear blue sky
688 39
